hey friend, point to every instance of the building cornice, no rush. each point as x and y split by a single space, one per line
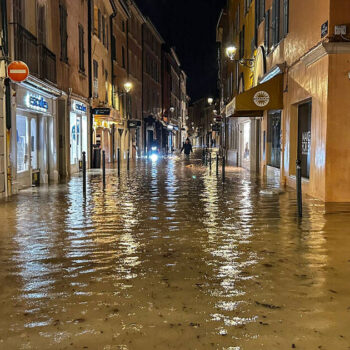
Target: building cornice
324 49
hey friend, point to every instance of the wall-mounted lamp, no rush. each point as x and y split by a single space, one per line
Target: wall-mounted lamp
231 51
210 101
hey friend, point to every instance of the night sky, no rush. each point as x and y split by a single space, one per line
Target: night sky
189 26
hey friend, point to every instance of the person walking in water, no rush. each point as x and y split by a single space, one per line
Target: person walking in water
187 148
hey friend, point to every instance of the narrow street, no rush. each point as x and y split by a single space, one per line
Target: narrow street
167 257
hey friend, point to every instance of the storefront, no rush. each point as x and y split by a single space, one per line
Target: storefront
78 134
103 136
257 113
34 147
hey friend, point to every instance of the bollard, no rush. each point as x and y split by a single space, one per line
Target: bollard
223 168
206 157
84 173
118 162
104 168
209 161
217 163
203 156
128 160
299 190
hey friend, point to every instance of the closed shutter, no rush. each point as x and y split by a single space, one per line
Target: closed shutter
81 49
267 31
285 17
278 20
273 22
63 33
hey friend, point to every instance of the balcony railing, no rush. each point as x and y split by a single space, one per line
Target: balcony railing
40 60
26 48
47 64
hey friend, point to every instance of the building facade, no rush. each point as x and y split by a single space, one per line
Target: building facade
94 85
151 86
284 90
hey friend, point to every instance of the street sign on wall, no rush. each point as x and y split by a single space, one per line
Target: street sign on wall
17 71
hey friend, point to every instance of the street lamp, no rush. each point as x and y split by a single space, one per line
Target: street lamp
128 86
172 109
231 51
210 101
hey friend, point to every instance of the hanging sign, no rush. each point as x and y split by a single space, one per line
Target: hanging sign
17 71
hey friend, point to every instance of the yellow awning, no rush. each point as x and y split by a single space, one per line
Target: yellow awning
265 96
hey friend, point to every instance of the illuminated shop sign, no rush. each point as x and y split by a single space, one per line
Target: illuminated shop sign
79 107
37 102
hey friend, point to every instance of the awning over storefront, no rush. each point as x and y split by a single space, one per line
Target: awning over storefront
252 103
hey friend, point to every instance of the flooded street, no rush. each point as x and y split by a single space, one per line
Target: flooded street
167 257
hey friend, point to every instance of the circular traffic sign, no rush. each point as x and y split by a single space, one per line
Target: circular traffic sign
17 71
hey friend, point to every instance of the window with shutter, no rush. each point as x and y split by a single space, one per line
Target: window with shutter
273 23
114 49
285 17
63 33
95 22
267 30
41 21
18 8
95 83
103 30
81 49
99 29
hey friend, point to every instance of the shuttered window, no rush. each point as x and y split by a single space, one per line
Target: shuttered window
63 33
81 49
241 43
18 12
267 30
95 20
99 23
95 82
285 17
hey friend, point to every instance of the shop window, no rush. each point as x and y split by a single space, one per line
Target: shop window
304 137
246 141
33 144
274 139
22 144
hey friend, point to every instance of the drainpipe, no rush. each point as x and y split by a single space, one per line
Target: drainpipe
5 48
111 17
143 87
90 12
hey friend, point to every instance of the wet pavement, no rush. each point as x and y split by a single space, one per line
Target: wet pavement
169 257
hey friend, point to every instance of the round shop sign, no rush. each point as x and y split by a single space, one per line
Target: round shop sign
261 98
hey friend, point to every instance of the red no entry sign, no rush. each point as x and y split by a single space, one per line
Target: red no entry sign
17 71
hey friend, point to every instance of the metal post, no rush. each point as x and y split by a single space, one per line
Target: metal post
104 168
223 168
206 157
118 161
203 156
84 173
209 154
299 190
128 163
217 163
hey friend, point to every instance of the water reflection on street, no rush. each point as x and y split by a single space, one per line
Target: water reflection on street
169 257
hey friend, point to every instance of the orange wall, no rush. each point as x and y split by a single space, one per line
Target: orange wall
338 130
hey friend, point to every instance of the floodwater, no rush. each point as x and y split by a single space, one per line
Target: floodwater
169 257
